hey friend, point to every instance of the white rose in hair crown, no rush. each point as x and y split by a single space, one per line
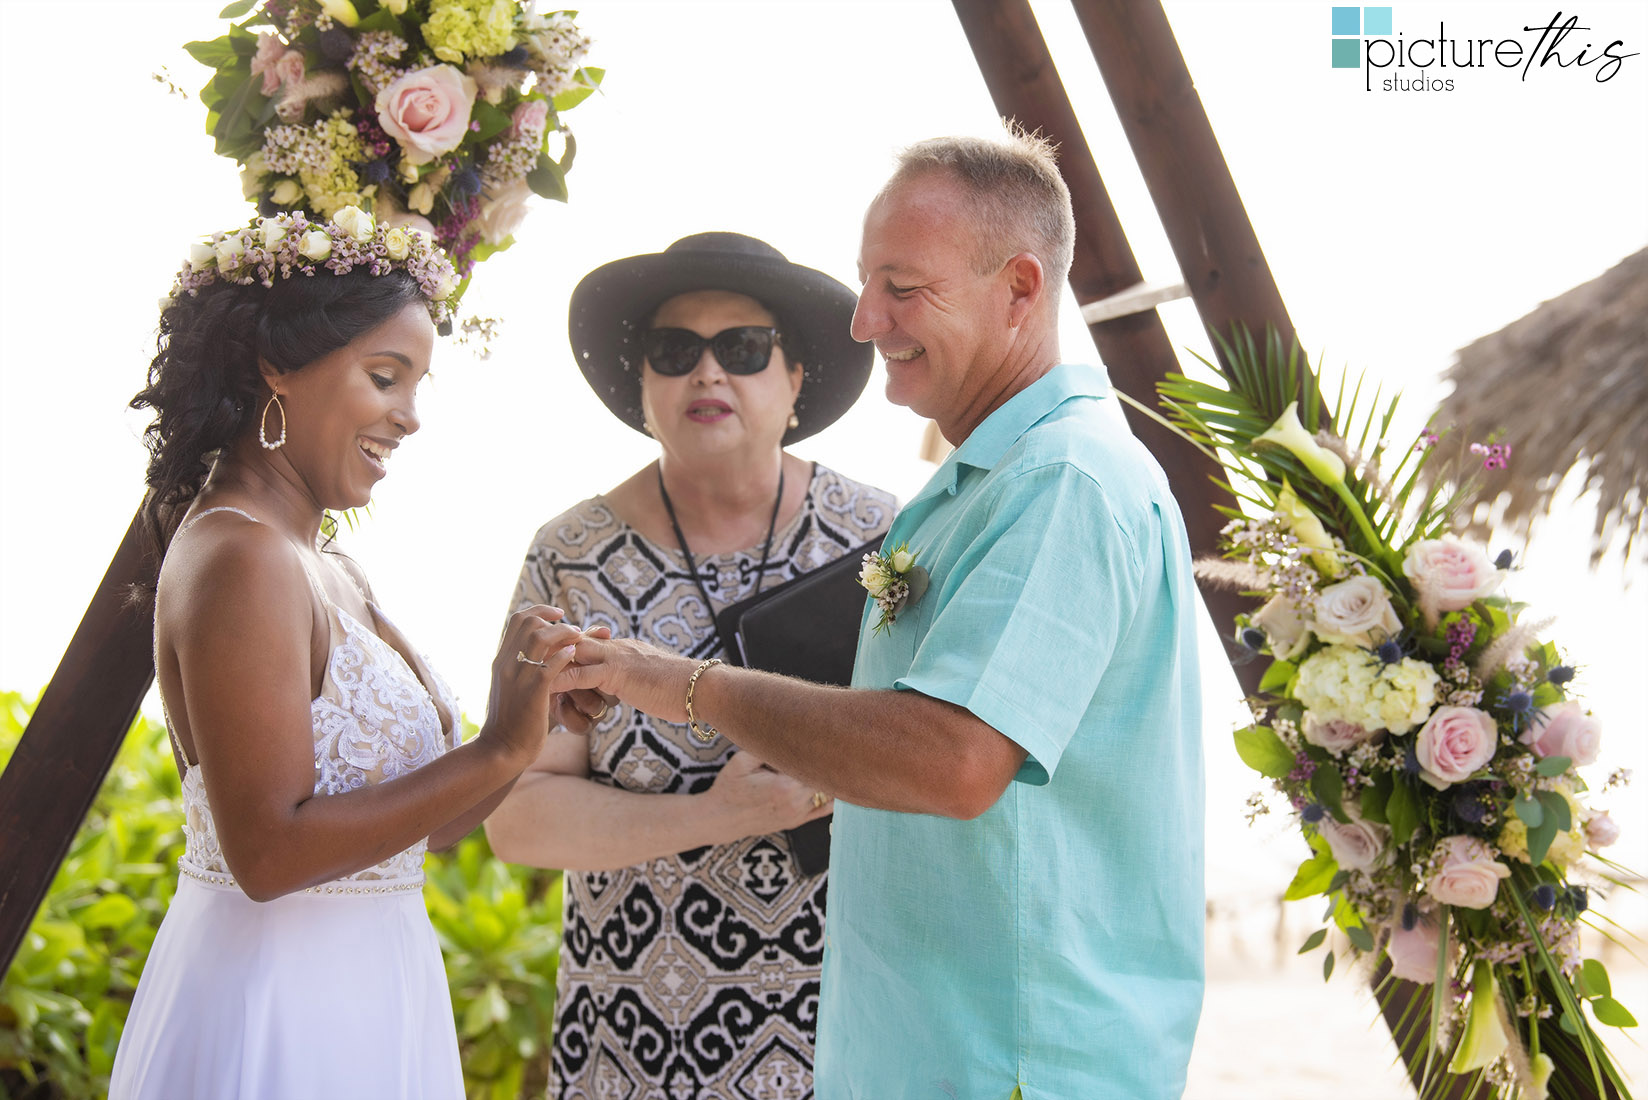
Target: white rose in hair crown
1424 737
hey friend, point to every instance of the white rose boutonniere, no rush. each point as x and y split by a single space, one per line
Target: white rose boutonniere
892 580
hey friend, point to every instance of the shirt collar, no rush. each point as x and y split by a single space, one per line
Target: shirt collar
1002 428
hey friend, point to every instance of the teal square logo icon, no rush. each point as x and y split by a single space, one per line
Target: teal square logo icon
1376 21
1349 20
1347 53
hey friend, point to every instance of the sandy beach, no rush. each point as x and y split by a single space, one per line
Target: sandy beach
1273 1030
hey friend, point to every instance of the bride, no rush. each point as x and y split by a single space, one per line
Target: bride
318 750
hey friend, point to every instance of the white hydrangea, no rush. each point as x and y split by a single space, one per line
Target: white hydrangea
1344 682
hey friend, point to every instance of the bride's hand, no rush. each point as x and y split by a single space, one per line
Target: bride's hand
536 646
581 710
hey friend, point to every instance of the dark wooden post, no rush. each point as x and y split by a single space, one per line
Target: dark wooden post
71 740
1017 67
1189 181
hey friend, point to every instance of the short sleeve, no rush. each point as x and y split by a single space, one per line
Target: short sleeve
1032 612
536 584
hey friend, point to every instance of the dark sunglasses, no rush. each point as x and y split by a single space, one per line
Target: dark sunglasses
743 350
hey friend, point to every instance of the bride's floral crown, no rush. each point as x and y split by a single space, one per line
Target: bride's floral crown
290 244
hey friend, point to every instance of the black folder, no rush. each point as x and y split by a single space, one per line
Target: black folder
807 627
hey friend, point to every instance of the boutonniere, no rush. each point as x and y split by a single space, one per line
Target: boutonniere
894 580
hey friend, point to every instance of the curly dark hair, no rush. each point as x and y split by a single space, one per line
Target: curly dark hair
204 384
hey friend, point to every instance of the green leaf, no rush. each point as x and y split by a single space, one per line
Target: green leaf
1327 966
1570 1024
1313 876
1531 812
1277 676
1611 1012
1375 798
1553 766
109 911
493 121
1403 812
1556 809
1360 938
547 179
237 9
1593 979
1314 941
570 98
214 54
1263 751
1547 694
1539 840
1329 788
381 20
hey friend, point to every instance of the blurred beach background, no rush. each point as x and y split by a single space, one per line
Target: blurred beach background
1399 226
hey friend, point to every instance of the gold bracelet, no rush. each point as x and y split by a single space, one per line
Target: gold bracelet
707 733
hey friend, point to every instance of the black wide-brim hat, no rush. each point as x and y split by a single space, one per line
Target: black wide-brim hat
611 305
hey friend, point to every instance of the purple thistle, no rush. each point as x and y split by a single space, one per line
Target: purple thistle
1468 804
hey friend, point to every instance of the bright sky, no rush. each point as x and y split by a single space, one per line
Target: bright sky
1400 226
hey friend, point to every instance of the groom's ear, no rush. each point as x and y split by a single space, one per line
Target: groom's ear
1025 282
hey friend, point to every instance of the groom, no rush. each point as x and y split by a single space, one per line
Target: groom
1015 896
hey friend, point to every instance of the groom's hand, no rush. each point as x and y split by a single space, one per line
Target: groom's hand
649 679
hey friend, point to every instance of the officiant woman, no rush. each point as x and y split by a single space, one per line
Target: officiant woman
693 940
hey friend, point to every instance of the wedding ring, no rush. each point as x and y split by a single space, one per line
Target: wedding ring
598 715
522 659
819 798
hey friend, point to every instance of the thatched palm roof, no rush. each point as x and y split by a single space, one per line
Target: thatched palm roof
1567 385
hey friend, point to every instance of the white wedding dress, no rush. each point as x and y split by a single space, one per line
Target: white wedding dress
335 991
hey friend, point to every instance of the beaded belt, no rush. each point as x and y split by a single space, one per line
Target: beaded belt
341 887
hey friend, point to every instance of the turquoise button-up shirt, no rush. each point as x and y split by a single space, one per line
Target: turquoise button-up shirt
1054 944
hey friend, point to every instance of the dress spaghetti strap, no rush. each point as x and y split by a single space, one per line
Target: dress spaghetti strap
198 516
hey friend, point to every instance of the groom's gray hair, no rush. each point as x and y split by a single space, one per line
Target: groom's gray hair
1019 199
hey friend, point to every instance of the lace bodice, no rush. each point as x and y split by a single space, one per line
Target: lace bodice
373 721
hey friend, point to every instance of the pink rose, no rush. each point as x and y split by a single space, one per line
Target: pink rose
1357 845
289 69
1467 874
1601 830
270 49
1454 743
427 111
1355 612
529 118
1564 730
1337 735
502 214
1413 950
1452 572
408 220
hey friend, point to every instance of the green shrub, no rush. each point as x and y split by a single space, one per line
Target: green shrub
64 1001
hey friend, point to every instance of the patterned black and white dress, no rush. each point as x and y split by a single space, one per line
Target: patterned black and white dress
693 976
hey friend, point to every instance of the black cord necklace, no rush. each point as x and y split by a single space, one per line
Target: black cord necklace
681 539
